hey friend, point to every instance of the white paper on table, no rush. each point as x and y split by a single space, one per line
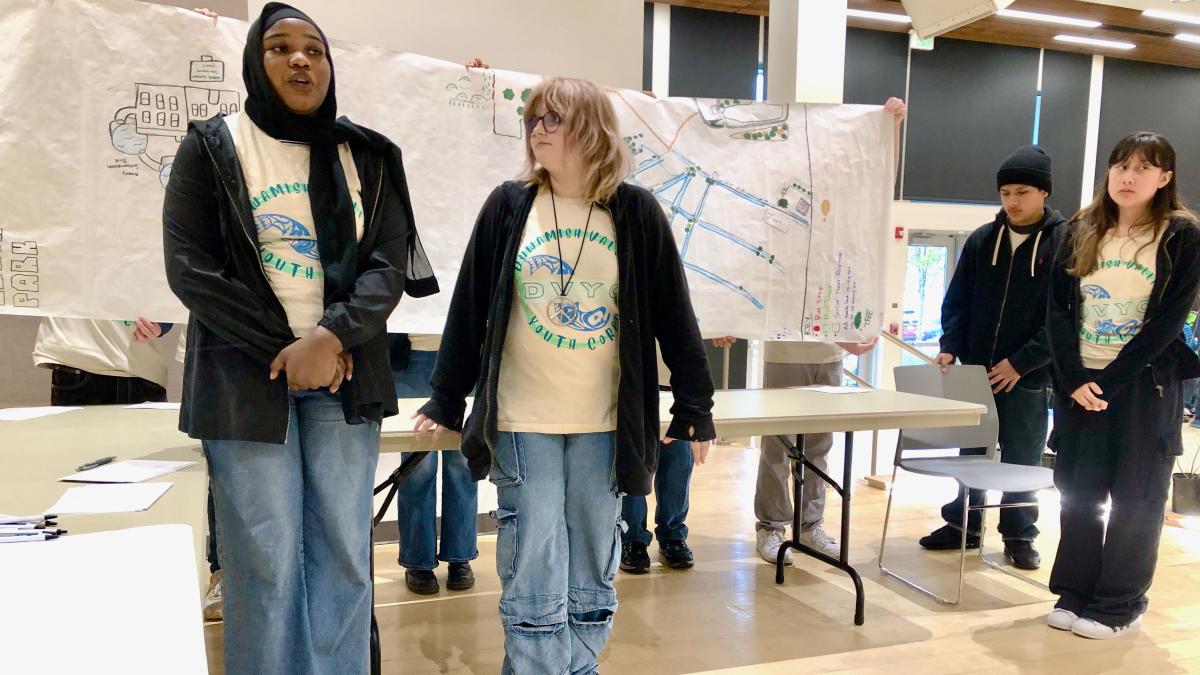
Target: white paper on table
128 471
825 389
124 498
22 414
153 405
152 626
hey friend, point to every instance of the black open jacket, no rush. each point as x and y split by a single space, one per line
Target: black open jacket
652 303
995 306
1160 345
237 324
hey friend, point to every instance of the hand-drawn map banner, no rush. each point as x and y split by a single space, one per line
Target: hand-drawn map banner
779 211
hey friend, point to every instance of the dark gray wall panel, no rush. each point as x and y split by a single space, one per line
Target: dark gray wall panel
970 105
1151 97
713 54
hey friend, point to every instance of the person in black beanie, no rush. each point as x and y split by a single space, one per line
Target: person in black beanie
289 236
993 315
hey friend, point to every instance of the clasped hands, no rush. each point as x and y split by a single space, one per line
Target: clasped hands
314 361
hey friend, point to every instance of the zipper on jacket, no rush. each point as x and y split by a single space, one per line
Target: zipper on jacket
378 193
1154 377
1170 268
237 212
612 469
490 395
1003 302
1162 290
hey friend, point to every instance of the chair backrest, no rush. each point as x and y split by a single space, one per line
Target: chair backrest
961 383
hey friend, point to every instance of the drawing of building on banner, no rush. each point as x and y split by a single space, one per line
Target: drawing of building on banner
152 128
480 90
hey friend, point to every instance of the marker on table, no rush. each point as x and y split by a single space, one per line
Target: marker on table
15 520
94 463
40 536
9 532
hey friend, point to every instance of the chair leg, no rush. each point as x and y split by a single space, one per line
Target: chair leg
887 516
907 582
1004 568
962 551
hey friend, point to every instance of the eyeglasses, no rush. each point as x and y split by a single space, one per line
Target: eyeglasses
550 122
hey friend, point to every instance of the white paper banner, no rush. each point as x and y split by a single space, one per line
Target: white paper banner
780 211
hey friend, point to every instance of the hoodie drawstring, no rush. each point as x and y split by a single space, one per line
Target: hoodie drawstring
1033 254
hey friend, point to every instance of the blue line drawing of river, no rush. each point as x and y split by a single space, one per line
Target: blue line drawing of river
686 191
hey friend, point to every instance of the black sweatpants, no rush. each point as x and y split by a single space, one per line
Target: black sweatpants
1123 454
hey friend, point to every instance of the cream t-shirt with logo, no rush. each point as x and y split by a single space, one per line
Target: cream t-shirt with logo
100 347
559 368
276 175
1115 296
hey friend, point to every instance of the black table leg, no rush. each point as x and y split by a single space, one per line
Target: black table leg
392 484
800 464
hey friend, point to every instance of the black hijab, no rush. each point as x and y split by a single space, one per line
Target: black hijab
329 196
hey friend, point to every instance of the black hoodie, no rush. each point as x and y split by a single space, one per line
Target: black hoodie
996 305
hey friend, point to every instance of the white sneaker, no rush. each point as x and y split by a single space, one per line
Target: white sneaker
1062 619
769 542
817 538
213 604
1097 631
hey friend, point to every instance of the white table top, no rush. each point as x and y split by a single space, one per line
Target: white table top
739 413
114 602
34 454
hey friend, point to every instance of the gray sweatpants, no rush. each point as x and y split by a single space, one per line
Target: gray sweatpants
773 495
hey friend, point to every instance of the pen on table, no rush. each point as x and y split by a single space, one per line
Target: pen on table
29 533
95 463
18 533
28 519
41 536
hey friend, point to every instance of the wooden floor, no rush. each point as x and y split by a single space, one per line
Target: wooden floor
727 615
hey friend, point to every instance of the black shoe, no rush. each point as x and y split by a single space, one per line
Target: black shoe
1022 555
421 582
676 555
946 538
461 577
634 558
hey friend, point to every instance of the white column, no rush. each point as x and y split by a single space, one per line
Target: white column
660 67
1092 139
806 51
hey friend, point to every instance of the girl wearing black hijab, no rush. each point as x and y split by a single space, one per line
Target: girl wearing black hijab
289 236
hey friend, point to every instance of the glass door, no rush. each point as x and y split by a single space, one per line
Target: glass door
931 260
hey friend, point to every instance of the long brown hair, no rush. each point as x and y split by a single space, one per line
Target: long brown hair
1097 219
592 130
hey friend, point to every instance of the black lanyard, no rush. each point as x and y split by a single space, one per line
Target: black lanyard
564 286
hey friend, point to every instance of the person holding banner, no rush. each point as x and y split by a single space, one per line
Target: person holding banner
289 236
565 418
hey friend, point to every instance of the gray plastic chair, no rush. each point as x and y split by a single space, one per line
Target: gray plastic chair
979 472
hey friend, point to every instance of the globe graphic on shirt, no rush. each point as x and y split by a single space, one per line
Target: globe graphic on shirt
298 236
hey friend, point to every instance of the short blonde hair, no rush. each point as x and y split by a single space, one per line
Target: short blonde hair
591 129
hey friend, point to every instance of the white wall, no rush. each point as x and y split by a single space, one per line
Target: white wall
599 40
918 216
